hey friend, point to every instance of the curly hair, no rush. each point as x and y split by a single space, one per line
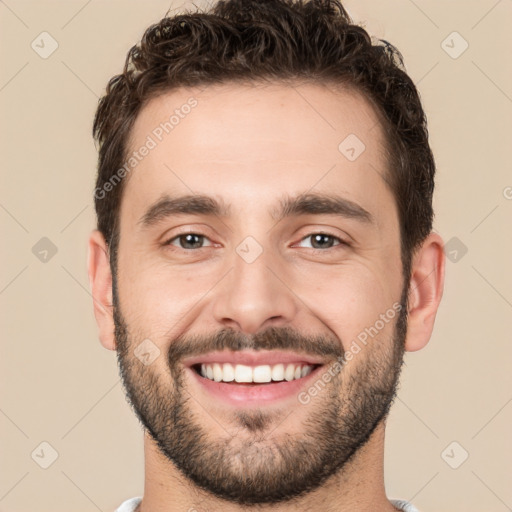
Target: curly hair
278 41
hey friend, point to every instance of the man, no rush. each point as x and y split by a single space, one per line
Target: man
264 254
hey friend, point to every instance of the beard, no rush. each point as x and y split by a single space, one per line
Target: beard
256 465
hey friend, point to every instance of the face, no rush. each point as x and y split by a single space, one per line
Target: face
259 271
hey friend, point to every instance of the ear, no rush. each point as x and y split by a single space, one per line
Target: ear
100 280
425 291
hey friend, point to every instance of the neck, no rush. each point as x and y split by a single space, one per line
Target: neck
358 486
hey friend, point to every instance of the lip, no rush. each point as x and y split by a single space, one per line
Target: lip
253 358
252 395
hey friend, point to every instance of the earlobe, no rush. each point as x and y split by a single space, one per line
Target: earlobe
425 291
100 280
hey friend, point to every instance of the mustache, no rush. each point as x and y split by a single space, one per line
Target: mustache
273 338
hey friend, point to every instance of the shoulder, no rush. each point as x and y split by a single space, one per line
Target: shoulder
129 505
404 506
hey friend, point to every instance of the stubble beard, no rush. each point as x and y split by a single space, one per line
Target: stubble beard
262 463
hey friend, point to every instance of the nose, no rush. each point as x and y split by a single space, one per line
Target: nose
254 296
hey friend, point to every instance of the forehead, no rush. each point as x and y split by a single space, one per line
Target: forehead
249 141
208 116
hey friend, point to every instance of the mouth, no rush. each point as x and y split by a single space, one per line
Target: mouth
262 374
248 378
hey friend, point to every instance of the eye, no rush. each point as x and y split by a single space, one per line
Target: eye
188 241
191 241
323 241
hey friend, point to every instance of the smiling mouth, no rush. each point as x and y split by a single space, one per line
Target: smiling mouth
253 375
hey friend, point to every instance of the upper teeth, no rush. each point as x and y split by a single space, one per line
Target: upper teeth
225 372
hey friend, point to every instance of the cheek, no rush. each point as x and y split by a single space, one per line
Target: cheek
351 299
160 300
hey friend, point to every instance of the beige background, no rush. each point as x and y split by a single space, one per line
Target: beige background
60 386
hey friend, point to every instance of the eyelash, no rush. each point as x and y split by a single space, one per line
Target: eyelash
336 238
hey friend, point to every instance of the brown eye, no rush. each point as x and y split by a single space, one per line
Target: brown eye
323 241
188 241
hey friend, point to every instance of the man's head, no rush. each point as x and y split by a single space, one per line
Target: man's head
280 211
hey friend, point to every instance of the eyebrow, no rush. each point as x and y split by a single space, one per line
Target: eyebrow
303 204
183 205
321 204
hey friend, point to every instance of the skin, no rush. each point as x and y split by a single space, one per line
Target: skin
249 145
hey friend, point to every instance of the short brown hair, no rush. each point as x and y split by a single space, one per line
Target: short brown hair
275 40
